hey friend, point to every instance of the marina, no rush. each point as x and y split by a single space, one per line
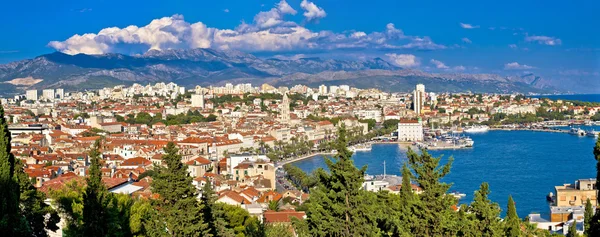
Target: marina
502 158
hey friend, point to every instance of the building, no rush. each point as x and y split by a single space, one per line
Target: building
31 95
419 98
322 90
60 93
48 94
285 109
410 130
198 100
576 194
570 199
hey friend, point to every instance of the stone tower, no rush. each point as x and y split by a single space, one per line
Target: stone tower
285 109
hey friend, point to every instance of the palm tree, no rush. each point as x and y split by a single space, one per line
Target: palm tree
273 205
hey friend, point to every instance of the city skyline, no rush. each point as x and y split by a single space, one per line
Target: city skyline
436 37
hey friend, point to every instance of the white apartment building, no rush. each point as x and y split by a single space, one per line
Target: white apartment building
31 95
198 100
60 93
410 130
419 98
322 90
48 94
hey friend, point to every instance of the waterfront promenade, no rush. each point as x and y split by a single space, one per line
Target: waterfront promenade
531 129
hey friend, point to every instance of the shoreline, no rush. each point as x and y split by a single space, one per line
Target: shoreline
296 159
530 129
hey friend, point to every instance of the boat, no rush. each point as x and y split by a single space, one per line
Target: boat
577 132
356 148
550 197
477 129
467 141
591 133
458 195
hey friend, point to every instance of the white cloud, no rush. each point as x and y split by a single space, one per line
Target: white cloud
516 66
438 64
546 40
468 26
312 11
404 60
459 68
512 46
226 10
467 40
358 34
268 31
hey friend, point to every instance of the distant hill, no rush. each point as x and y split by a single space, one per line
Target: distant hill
209 67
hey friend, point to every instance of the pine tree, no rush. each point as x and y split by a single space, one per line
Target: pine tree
11 221
208 210
406 192
435 216
179 207
573 230
594 223
39 215
338 205
95 217
485 212
513 223
587 217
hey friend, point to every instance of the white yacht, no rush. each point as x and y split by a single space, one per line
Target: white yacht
477 129
577 132
591 133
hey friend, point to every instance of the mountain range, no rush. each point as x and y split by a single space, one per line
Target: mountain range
214 67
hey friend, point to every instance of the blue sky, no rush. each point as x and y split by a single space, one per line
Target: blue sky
556 39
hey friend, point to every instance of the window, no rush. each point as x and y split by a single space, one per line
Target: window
563 198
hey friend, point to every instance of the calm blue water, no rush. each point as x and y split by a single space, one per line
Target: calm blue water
524 164
580 97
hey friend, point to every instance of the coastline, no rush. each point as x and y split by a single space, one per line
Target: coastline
530 129
281 163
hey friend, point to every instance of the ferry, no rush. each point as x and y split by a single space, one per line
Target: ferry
477 129
577 132
591 133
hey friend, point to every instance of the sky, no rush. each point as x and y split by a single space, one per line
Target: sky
555 39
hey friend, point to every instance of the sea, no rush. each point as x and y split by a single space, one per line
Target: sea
524 164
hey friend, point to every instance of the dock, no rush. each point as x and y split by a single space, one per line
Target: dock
440 145
531 129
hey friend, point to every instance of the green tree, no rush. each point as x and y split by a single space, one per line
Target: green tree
39 215
436 216
12 222
278 231
587 217
94 213
338 205
208 201
273 205
486 212
573 230
179 207
513 223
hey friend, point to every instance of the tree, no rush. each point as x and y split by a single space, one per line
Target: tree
513 223
12 222
179 208
573 230
94 212
39 215
274 205
436 216
594 224
486 213
338 205
587 217
208 200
